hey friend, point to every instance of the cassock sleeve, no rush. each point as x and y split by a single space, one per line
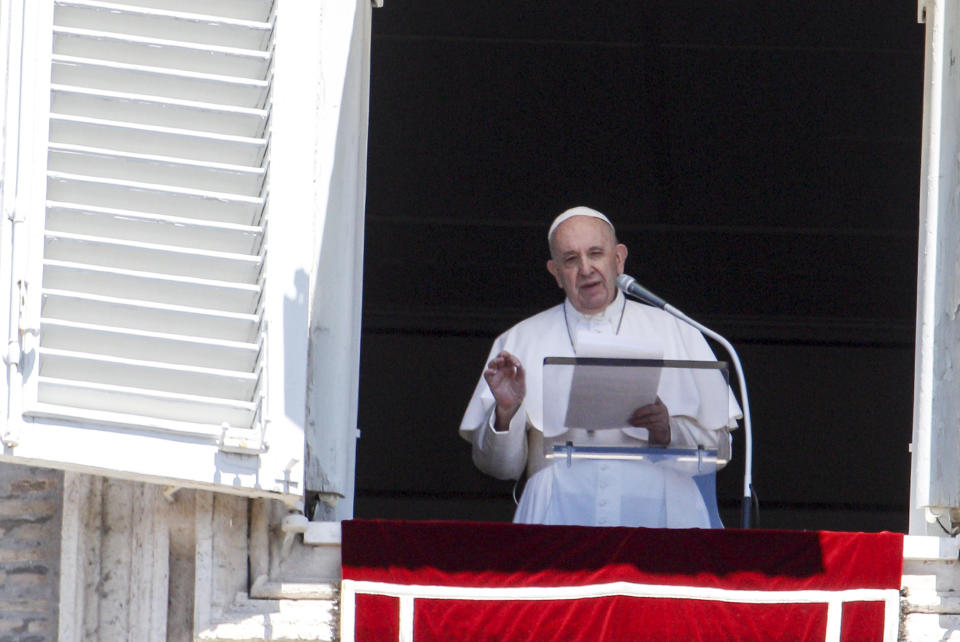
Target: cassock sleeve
685 431
499 454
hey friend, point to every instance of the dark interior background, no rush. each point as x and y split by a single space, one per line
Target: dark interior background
761 162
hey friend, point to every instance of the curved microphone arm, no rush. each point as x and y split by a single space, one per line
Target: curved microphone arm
745 402
630 286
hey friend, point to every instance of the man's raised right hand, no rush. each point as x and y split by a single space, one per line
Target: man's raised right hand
507 381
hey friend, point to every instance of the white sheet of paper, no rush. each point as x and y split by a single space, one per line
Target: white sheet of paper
604 397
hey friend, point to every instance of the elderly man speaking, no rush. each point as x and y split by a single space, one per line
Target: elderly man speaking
504 421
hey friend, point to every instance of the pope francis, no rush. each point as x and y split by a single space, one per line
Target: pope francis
504 419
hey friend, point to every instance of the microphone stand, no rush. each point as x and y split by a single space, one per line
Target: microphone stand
626 283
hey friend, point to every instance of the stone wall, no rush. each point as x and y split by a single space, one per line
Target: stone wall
30 521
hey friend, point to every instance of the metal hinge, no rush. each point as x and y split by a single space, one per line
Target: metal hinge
15 351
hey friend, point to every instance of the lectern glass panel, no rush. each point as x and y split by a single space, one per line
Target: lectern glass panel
587 403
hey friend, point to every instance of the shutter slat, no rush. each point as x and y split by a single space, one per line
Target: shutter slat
145 110
149 316
160 170
155 81
158 199
164 83
146 286
162 230
152 375
162 141
155 23
149 346
161 54
258 10
162 259
137 406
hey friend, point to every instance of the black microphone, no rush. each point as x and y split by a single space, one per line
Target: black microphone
630 286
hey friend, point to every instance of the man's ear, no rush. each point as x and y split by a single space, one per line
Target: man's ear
621 257
552 269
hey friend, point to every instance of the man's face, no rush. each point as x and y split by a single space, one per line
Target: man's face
585 261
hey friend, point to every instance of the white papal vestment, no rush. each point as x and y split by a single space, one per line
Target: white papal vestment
599 492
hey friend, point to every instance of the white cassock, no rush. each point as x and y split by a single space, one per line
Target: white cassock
600 492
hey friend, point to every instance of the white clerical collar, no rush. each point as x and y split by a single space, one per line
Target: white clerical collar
611 314
608 321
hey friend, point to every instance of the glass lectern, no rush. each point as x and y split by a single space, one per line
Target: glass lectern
587 403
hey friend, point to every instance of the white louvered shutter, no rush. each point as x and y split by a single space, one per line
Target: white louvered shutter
147 320
155 214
